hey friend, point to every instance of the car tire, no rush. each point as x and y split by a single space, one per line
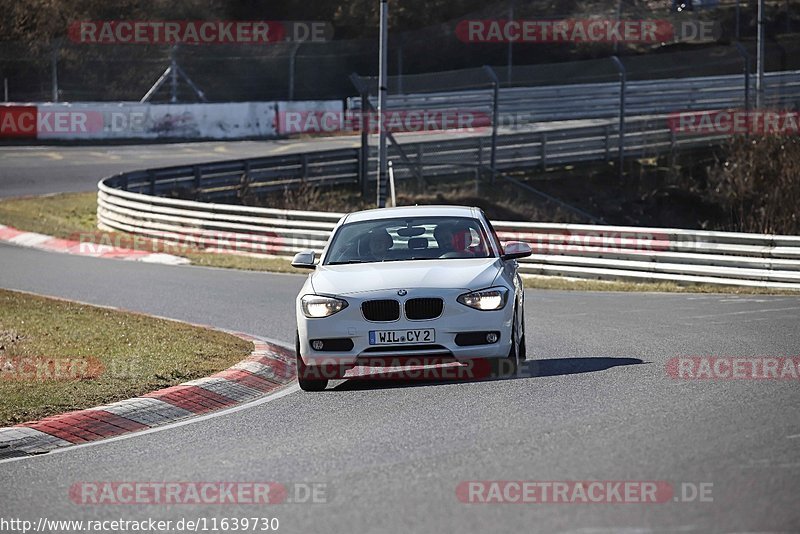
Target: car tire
522 353
306 384
513 354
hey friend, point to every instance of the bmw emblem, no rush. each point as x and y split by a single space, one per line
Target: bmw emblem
402 292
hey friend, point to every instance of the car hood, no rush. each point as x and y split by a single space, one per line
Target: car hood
362 277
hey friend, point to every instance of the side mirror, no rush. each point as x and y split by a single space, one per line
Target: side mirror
305 260
516 249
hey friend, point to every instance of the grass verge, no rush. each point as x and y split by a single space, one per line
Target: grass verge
58 356
68 214
64 215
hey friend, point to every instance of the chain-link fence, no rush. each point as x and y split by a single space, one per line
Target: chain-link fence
65 70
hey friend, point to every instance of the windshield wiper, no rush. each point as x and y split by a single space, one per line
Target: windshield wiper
349 262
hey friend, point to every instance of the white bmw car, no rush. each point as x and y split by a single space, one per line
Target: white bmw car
422 281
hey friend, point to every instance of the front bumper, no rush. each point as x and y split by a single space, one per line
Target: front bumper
455 319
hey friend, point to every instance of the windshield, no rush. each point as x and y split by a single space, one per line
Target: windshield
421 238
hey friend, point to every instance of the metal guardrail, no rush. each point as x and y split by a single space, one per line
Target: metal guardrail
138 202
469 154
458 155
521 105
581 251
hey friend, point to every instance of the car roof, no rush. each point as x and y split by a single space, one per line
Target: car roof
412 211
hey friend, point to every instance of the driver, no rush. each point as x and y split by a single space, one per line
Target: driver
453 239
375 244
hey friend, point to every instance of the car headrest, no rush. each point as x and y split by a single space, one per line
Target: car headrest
418 243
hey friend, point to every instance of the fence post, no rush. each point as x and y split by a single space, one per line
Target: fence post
495 105
173 78
480 153
622 81
363 155
743 52
420 167
54 68
292 60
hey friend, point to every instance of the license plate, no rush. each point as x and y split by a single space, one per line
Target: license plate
401 337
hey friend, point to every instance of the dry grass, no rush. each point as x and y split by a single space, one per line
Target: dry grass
57 356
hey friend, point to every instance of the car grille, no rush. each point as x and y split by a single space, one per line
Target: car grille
427 308
381 310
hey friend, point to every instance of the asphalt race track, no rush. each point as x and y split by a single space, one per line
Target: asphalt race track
30 170
596 404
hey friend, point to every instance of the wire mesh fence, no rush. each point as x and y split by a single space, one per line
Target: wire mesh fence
65 70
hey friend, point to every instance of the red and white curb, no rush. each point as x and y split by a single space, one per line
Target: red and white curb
68 246
268 368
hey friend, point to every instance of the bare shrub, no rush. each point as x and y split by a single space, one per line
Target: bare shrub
758 184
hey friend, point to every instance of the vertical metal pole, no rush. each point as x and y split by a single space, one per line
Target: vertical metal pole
54 70
382 166
746 58
5 89
619 14
292 59
760 57
400 66
364 168
495 119
391 185
622 82
510 43
737 20
173 66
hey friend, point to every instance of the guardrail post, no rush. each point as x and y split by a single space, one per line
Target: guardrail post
544 150
304 166
198 178
608 142
152 177
623 75
244 182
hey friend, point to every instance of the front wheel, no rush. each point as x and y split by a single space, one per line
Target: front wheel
517 353
305 374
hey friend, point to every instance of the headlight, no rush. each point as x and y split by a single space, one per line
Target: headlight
493 298
315 306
